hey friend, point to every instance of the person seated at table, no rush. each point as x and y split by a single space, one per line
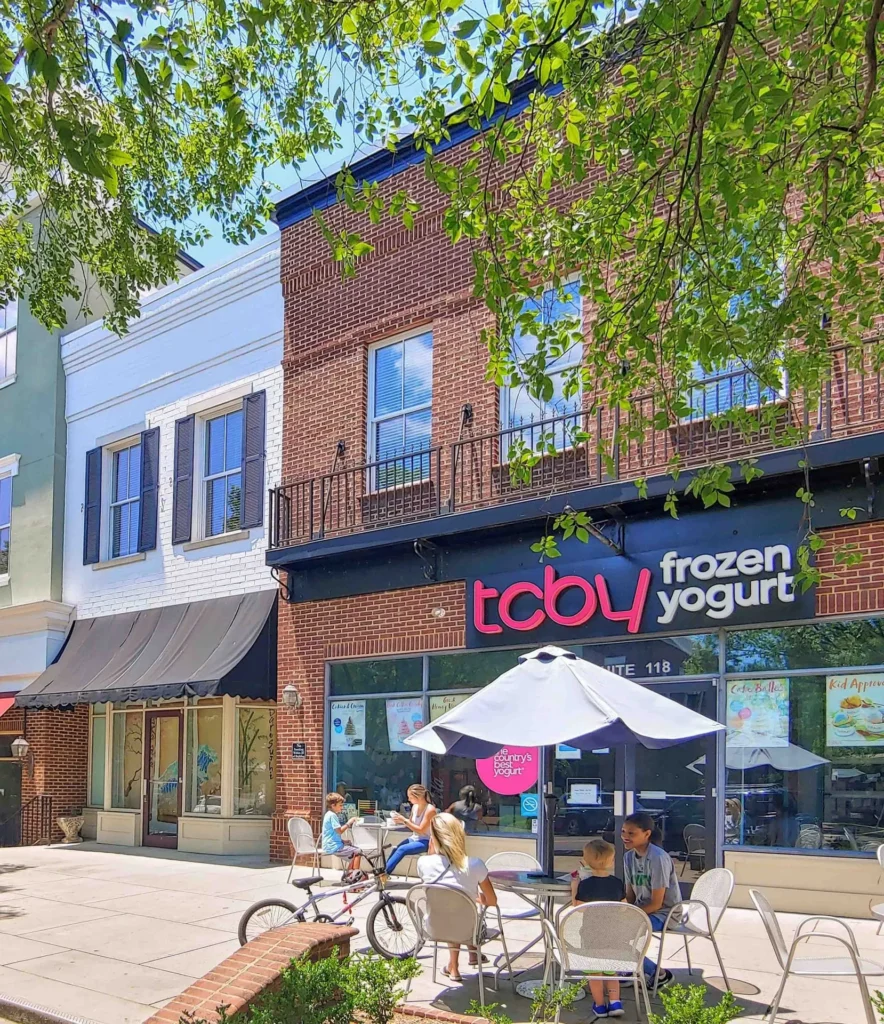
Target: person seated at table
594 881
651 881
422 814
448 864
467 808
334 845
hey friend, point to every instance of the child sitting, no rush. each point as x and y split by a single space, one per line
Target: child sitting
593 882
333 843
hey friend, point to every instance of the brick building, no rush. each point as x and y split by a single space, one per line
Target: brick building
410 582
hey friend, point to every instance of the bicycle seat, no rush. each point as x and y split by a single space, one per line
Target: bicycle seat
305 883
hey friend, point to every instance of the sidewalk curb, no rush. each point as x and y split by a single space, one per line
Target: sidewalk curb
23 1012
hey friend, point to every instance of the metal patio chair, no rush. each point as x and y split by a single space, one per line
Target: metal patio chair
594 939
877 909
369 840
303 843
810 837
516 861
699 916
446 916
695 845
815 966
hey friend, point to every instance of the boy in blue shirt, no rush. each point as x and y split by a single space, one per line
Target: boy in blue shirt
333 844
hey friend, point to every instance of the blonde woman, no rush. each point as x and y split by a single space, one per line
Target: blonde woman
422 814
448 864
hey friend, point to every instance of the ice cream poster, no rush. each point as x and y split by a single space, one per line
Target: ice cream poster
758 713
405 716
440 703
347 725
855 710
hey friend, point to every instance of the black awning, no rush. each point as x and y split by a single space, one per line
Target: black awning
225 646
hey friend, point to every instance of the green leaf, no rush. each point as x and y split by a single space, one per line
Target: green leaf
465 29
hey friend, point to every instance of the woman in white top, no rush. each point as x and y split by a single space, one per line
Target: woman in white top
422 813
448 864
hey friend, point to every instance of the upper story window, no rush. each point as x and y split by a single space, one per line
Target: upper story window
8 333
125 503
732 386
5 522
222 480
400 409
523 416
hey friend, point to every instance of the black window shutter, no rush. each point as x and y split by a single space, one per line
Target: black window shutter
182 489
92 509
150 481
253 456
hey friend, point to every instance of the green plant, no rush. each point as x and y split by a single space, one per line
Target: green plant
489 1012
310 992
688 1006
878 1003
548 1000
374 983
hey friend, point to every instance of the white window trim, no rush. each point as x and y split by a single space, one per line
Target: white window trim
9 466
372 420
125 501
198 523
107 491
9 376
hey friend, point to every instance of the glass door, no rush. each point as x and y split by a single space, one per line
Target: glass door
163 778
586 791
677 785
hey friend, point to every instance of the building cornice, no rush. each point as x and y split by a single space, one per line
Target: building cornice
36 617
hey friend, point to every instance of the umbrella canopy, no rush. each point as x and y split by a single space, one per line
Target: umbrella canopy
791 758
551 697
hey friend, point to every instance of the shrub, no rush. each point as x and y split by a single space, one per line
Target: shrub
688 1006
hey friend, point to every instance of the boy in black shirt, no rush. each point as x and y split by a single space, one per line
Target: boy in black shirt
593 882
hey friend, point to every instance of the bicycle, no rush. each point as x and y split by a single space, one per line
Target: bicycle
389 927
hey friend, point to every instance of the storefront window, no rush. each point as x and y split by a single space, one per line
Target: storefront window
127 760
204 759
397 675
97 757
658 657
472 669
820 645
369 764
255 791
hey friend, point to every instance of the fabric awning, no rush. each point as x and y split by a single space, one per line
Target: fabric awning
224 646
5 704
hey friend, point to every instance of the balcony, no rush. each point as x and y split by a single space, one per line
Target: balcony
476 472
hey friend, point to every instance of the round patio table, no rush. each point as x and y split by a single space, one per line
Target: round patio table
540 892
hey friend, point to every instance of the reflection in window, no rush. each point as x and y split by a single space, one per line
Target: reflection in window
223 474
450 671
125 501
496 813
729 386
658 657
97 757
5 522
204 759
820 645
8 324
395 675
126 760
255 790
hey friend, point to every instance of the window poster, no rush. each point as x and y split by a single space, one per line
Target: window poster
347 725
855 710
405 715
440 703
758 713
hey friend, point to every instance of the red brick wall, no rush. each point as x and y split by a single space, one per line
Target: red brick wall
857 588
59 742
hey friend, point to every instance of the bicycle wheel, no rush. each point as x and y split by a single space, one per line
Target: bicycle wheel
390 929
264 915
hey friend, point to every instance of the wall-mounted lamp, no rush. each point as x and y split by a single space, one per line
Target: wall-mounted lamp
21 750
290 697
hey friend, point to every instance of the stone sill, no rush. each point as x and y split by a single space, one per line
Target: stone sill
211 542
139 556
6 381
4 580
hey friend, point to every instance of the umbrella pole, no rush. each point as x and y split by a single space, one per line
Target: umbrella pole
546 812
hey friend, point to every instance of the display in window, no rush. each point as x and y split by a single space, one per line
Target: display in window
256 744
347 725
511 770
404 717
442 703
855 710
758 713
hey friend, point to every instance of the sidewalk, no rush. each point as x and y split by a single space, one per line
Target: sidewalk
111 934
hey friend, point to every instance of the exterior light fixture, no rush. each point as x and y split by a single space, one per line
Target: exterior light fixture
290 697
438 613
21 750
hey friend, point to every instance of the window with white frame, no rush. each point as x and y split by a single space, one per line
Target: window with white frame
222 473
5 522
8 324
522 415
400 406
125 503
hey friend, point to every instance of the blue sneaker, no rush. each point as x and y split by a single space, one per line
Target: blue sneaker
600 1011
615 1009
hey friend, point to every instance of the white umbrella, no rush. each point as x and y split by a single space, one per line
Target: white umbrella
791 758
551 697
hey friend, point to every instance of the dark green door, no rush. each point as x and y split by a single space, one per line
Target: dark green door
10 803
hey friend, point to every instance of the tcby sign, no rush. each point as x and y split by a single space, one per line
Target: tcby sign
511 770
663 592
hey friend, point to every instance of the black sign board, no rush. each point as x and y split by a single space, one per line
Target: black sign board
299 751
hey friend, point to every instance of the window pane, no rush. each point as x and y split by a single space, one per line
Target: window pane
134 470
387 379
234 502
375 772
120 531
215 446
398 675
97 761
134 514
452 671
4 550
255 791
216 499
389 438
121 474
233 446
660 657
126 761
9 315
204 751
417 430
821 645
418 371
5 500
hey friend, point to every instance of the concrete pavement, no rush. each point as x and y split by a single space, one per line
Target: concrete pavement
111 934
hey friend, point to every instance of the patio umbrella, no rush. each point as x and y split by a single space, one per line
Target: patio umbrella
790 758
551 697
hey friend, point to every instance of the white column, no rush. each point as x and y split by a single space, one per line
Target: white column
228 757
108 753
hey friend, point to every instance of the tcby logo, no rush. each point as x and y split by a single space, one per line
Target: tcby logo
596 597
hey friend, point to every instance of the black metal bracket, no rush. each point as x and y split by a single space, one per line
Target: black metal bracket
611 532
870 472
285 586
428 553
466 415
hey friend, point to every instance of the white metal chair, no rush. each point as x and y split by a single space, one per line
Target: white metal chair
694 844
877 909
594 939
810 837
303 843
699 916
815 966
443 915
369 840
516 861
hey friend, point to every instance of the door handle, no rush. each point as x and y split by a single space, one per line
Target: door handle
618 803
630 801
